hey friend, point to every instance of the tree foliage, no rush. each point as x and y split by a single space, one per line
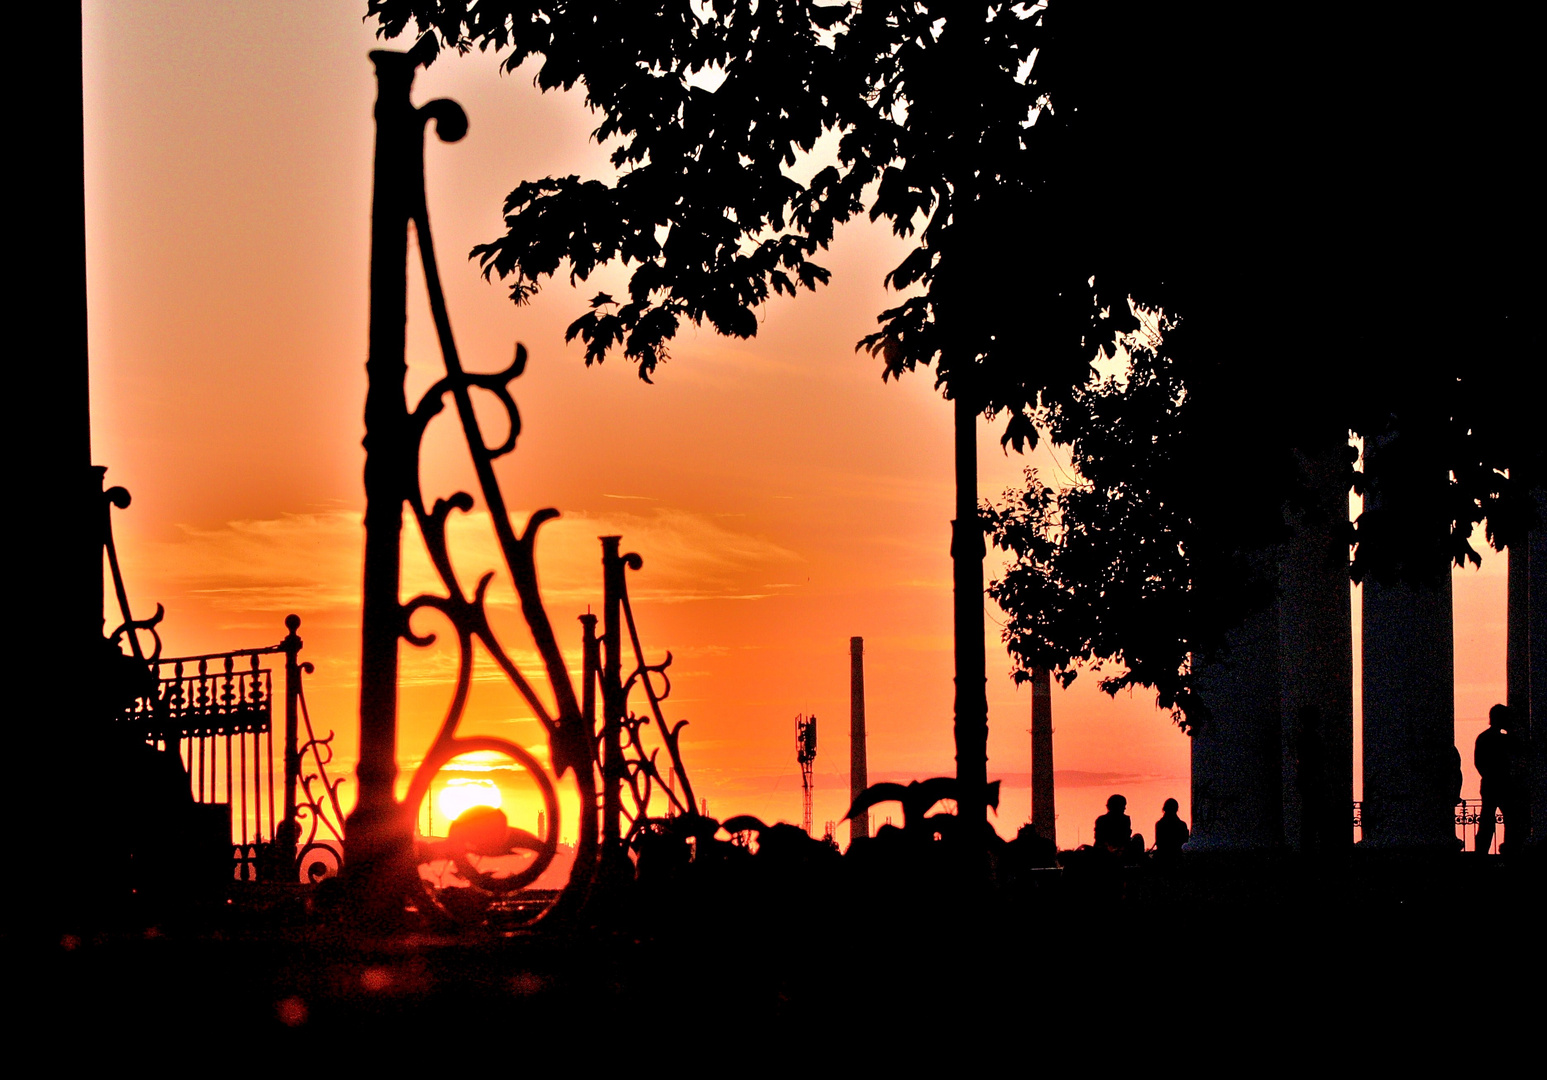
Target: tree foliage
932 111
1335 207
1105 572
1331 205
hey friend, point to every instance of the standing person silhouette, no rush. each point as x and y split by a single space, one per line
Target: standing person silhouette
1494 755
1171 832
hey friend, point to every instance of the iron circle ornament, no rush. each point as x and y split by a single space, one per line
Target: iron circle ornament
471 840
318 861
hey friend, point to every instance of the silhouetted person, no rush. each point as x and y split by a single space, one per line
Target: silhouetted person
1495 756
1114 831
1171 832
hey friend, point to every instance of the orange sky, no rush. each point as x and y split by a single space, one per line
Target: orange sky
782 496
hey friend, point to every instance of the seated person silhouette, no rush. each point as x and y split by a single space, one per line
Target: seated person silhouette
1171 832
1114 831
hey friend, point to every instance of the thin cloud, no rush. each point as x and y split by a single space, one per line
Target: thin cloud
312 562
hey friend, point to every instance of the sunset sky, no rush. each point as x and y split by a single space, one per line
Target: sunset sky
783 498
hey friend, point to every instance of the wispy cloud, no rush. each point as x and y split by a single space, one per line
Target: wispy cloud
311 562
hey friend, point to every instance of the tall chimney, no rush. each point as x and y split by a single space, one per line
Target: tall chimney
860 825
1042 754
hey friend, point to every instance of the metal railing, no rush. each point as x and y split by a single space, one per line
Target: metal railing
217 711
1468 816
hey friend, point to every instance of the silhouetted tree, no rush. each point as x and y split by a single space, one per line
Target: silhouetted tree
1102 570
937 114
1334 212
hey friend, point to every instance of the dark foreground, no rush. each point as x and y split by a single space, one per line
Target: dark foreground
1276 959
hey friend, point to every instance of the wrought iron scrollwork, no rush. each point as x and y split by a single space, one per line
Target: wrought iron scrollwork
641 767
191 700
394 440
318 816
483 860
633 772
129 628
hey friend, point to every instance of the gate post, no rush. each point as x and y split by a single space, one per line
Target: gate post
612 699
379 833
291 646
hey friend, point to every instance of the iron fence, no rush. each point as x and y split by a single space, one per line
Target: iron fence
1468 816
217 712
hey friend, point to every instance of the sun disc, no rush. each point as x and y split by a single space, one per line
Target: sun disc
463 793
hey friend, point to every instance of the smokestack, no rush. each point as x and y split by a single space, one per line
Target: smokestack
1042 754
859 826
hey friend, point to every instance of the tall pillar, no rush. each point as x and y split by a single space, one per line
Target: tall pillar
379 831
1409 669
1236 796
1526 663
61 592
614 704
858 772
1043 819
1316 654
1537 655
1517 645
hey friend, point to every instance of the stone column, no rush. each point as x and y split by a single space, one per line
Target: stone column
1409 671
1526 663
1236 784
1537 654
1316 654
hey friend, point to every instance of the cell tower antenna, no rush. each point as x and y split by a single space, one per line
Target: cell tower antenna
805 753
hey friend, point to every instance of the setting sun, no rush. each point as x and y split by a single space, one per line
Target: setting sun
470 442
463 793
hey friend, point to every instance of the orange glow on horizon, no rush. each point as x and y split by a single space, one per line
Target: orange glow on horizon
782 496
